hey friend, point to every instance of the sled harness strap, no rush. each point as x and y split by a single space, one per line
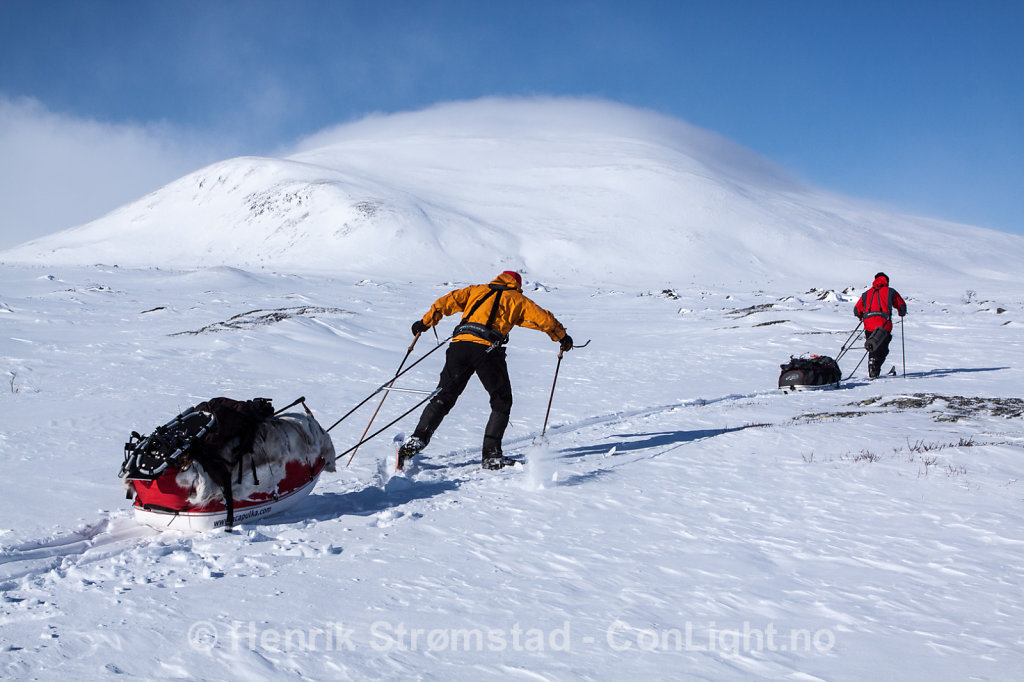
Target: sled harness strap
252 465
484 331
884 311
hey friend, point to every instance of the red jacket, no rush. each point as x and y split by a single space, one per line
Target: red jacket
877 303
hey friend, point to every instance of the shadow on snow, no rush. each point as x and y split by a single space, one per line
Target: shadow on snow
953 370
851 382
366 502
646 441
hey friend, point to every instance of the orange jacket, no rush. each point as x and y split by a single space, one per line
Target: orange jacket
514 309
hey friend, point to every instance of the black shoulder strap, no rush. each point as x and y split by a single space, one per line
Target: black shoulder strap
496 292
884 310
476 306
494 309
886 305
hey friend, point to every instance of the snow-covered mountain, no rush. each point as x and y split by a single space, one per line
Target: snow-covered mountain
583 190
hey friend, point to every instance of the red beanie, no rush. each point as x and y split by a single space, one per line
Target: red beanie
515 275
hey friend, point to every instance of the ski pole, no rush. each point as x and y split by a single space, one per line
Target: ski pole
552 396
384 397
903 347
553 382
386 385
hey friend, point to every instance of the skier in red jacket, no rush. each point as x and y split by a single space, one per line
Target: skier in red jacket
875 309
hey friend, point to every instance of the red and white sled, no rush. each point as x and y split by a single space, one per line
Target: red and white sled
163 504
263 469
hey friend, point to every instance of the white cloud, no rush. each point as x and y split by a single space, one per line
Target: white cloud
59 171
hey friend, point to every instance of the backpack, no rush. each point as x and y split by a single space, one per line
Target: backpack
817 370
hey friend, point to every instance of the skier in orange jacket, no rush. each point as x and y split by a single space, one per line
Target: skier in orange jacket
490 311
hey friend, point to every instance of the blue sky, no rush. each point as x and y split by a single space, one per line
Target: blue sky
917 104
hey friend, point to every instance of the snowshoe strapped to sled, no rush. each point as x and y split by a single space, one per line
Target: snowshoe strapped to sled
147 457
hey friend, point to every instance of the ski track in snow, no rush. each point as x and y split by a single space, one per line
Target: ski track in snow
675 523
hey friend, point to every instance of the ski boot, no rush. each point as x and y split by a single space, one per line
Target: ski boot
494 460
413 445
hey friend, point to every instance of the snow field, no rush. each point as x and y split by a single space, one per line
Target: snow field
685 518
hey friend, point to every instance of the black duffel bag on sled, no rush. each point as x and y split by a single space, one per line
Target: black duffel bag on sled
817 370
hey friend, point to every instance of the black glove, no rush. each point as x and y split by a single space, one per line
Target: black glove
566 343
418 327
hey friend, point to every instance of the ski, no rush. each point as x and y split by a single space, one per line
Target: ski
399 463
801 388
890 373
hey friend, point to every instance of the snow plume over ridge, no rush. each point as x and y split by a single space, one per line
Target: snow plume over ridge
56 168
579 190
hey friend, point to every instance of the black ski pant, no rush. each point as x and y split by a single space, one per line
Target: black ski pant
877 344
462 360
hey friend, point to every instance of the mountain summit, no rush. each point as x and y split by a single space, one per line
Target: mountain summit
568 189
